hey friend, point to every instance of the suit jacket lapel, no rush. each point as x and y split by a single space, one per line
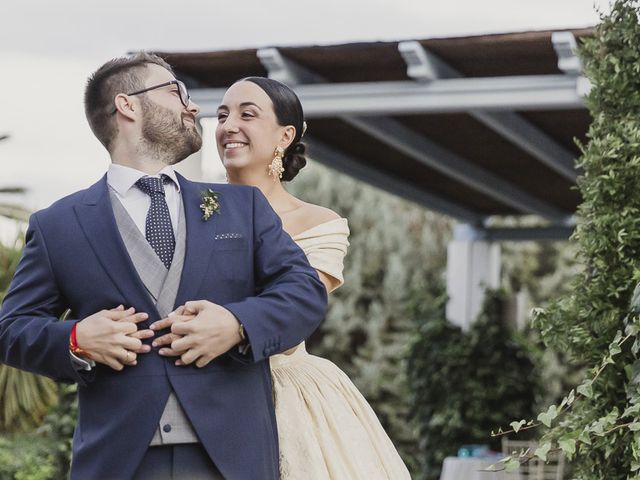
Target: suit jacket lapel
96 218
199 240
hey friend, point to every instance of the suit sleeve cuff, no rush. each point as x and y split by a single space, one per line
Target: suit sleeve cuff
81 364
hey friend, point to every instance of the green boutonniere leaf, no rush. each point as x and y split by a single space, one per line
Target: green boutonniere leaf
210 203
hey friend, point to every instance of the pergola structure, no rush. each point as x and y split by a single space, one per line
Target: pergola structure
473 127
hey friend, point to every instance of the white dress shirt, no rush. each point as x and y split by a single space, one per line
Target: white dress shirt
122 180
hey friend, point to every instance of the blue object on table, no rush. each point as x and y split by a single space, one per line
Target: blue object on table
474 451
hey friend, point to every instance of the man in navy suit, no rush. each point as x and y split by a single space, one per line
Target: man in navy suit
124 253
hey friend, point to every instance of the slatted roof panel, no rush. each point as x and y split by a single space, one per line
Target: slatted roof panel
502 55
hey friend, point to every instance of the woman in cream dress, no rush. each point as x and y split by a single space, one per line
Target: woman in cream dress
326 428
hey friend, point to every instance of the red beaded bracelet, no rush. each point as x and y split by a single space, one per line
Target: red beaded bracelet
73 341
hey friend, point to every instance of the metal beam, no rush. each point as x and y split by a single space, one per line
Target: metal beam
283 69
344 163
422 65
565 45
428 153
509 125
555 232
533 92
532 140
464 232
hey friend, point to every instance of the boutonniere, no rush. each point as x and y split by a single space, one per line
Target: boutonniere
210 203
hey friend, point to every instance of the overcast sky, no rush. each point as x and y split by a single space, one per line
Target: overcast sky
47 50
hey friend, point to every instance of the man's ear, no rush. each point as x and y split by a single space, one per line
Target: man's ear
288 134
127 106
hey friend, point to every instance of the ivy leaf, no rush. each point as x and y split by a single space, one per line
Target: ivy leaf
632 410
632 329
584 436
633 372
634 427
568 446
614 349
597 428
496 467
511 465
518 425
618 337
635 300
542 451
547 417
568 400
586 389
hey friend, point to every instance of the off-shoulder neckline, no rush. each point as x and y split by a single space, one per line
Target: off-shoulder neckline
341 219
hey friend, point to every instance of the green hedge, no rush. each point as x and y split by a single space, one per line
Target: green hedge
597 425
466 384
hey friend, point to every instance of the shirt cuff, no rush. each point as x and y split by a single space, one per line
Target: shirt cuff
81 363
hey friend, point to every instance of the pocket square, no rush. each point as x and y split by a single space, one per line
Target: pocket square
223 236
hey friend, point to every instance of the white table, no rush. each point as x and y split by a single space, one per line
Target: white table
461 468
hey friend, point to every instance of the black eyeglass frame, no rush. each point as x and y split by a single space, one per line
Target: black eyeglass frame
181 88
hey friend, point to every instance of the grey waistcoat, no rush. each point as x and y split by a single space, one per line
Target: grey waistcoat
162 286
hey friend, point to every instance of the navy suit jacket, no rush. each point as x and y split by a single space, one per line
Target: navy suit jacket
75 259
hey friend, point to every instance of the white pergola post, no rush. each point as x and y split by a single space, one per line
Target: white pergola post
473 265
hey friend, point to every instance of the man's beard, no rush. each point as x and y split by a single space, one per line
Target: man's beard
166 137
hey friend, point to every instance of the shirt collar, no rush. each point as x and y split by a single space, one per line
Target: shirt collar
122 178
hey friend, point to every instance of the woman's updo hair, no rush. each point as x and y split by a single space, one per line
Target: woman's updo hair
288 110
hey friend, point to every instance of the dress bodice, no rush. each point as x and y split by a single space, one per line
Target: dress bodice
325 246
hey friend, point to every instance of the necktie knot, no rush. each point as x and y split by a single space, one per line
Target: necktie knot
153 185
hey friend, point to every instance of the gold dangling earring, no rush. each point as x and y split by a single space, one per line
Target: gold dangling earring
275 168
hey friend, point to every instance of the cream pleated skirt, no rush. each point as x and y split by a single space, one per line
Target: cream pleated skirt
326 428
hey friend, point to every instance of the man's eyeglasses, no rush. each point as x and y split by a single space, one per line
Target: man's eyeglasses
183 93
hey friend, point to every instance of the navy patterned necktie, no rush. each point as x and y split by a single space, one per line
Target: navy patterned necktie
158 228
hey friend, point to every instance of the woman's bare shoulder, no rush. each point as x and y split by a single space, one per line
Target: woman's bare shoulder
318 214
308 216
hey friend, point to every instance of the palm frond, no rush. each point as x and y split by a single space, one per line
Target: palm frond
14 212
13 190
26 399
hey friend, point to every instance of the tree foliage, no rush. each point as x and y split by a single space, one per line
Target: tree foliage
597 424
34 411
26 397
43 453
465 384
12 210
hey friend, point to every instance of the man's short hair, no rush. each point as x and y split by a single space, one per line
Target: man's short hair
120 75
